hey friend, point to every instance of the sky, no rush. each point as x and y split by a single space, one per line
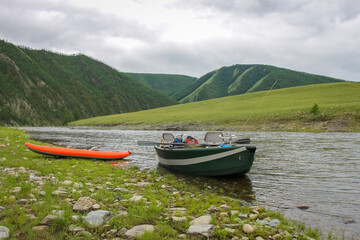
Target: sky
193 37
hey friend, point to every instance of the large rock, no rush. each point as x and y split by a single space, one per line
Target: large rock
83 204
139 230
196 230
203 220
4 232
97 218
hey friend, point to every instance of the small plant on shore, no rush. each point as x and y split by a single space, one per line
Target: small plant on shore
315 109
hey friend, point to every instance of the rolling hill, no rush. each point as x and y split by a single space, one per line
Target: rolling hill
39 87
281 109
240 79
168 84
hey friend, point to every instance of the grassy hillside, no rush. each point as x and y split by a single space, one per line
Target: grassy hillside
239 79
282 109
165 83
43 88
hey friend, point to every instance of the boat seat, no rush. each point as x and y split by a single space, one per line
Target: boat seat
168 137
214 138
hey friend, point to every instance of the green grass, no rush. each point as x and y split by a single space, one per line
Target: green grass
287 109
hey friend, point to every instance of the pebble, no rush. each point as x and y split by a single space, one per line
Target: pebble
274 223
136 198
243 215
224 214
73 228
15 190
67 182
143 184
60 192
139 230
230 230
4 232
233 212
178 219
196 230
224 207
84 204
247 228
98 217
203 220
95 206
120 190
41 228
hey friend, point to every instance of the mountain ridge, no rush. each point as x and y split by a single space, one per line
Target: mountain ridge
168 84
245 78
44 88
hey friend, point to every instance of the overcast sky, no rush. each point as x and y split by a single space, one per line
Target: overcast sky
193 37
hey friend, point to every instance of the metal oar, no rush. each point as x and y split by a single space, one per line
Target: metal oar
151 143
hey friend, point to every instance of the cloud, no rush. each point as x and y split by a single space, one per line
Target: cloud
193 37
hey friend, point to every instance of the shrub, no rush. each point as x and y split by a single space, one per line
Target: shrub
315 109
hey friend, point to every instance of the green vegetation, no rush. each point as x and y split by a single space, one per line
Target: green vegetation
315 109
239 79
282 109
168 84
30 186
39 87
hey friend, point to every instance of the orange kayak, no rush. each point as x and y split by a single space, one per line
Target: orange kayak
76 153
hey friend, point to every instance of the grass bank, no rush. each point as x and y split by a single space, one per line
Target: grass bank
283 109
36 189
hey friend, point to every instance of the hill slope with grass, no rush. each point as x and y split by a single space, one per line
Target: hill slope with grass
39 87
168 84
281 109
240 79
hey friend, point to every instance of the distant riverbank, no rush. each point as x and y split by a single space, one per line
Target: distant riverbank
317 108
344 124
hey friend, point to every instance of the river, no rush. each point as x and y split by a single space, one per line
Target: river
321 170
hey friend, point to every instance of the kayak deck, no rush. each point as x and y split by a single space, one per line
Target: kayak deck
76 153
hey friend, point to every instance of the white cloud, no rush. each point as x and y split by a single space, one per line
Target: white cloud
193 37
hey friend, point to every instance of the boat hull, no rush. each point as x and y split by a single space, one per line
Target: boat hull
76 153
212 161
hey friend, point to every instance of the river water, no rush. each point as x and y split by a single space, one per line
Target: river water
321 170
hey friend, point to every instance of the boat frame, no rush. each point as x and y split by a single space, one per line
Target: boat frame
207 161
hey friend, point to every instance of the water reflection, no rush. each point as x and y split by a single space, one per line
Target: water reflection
235 186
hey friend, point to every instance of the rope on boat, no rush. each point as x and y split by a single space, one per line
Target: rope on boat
257 107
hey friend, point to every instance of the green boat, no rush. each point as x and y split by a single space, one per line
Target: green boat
208 159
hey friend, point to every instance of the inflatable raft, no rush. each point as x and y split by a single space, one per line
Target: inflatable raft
76 153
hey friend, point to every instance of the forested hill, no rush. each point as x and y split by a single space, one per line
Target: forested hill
39 87
168 84
239 79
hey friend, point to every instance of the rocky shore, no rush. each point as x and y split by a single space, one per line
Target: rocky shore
49 198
